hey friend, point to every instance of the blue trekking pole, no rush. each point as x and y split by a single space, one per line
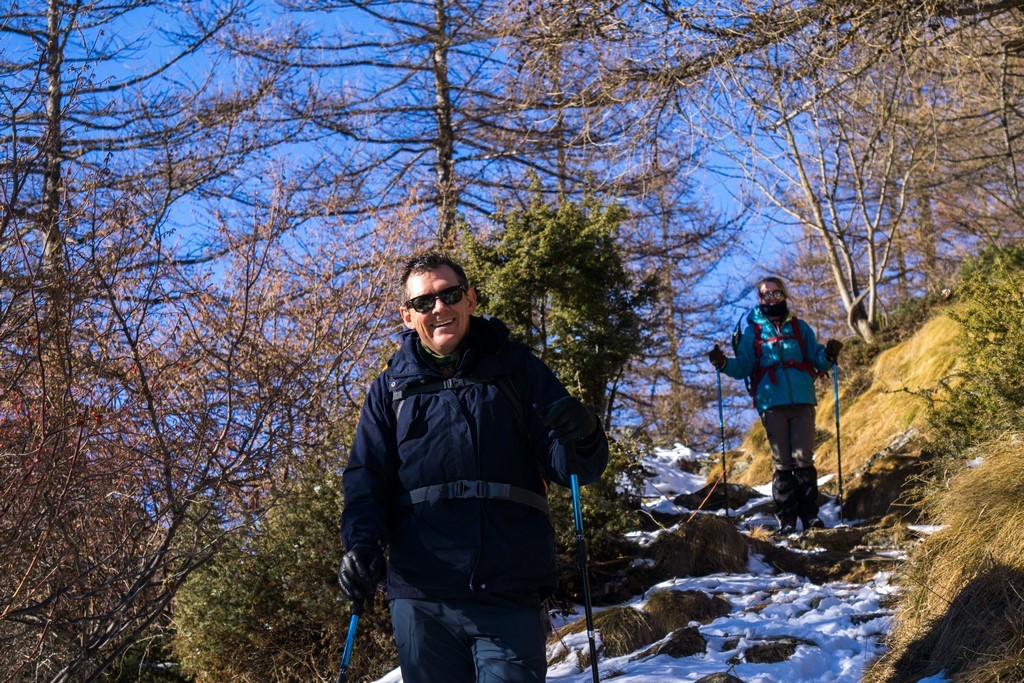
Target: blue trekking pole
721 427
357 611
581 557
839 457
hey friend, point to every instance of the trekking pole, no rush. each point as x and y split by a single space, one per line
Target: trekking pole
581 557
721 427
357 611
839 456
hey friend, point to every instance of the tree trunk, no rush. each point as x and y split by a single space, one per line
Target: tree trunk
447 195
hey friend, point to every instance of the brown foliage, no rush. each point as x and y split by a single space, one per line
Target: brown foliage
180 398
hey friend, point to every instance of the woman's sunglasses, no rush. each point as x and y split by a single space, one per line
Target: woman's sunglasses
777 295
425 302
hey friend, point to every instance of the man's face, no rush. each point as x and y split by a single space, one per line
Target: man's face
442 328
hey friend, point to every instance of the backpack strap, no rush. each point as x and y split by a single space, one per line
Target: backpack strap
508 387
803 365
504 382
469 488
439 385
399 395
759 372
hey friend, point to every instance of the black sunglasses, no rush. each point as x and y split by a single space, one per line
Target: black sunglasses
424 303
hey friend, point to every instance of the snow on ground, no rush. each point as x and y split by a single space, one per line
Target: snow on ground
846 622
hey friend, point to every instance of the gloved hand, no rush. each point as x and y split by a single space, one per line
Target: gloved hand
832 349
717 357
568 419
362 568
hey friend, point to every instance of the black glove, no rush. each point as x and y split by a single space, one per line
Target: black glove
717 357
362 568
569 420
832 349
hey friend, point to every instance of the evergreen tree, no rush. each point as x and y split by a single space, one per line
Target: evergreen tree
557 277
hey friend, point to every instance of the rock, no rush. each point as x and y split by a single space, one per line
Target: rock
683 642
719 678
704 545
774 650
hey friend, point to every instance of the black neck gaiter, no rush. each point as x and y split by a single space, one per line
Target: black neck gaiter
779 310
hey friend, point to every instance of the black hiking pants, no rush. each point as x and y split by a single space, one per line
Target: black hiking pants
486 639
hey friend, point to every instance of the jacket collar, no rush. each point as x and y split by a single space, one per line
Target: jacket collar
482 353
756 316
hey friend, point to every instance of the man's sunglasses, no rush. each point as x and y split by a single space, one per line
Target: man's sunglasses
777 295
424 303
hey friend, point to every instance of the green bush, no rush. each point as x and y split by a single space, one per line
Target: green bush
558 276
609 506
148 660
268 608
610 509
987 396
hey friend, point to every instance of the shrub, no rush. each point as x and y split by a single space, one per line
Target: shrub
988 394
268 608
558 276
962 611
610 506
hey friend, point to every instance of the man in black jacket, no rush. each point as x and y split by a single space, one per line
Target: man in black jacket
448 472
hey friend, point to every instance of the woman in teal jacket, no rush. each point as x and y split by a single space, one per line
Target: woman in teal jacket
782 357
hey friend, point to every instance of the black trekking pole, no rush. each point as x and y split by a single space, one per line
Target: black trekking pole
581 557
357 611
839 456
721 427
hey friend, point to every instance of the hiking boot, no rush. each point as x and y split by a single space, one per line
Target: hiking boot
787 525
813 523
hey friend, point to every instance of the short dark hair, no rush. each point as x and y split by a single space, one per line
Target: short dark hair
428 262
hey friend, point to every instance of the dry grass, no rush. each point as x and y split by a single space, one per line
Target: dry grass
763 534
626 629
622 630
963 610
670 610
703 545
902 381
897 398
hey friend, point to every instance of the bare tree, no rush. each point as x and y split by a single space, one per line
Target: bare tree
840 169
132 432
193 392
828 127
464 108
389 88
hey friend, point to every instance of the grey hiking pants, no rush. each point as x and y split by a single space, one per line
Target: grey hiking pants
790 431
